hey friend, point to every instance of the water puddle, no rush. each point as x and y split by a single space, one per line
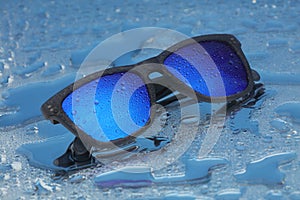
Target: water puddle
26 71
266 171
42 154
242 119
196 171
28 99
291 110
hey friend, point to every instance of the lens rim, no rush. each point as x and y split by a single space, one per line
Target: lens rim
52 109
228 39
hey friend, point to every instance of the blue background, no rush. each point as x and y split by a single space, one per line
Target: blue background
42 43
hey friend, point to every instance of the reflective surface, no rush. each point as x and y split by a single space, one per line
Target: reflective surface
110 107
211 68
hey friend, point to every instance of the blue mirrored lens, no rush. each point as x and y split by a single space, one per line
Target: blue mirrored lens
111 107
211 68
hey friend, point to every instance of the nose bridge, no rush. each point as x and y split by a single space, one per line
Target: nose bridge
150 67
166 83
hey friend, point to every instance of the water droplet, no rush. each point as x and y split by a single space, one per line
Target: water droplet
280 125
53 110
5 95
267 138
74 112
290 110
229 194
240 146
96 102
3 169
42 188
204 189
32 130
274 194
295 195
190 120
164 117
3 158
6 177
17 166
77 179
230 62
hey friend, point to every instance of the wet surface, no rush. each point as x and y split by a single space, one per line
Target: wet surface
266 171
42 46
196 171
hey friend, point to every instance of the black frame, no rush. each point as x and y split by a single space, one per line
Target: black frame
52 108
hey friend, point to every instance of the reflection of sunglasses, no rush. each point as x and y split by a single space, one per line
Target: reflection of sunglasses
116 105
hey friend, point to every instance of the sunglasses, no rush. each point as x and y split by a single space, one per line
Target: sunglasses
110 108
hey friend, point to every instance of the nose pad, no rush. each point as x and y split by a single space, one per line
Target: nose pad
255 75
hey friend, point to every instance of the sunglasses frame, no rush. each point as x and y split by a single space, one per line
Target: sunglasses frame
53 111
